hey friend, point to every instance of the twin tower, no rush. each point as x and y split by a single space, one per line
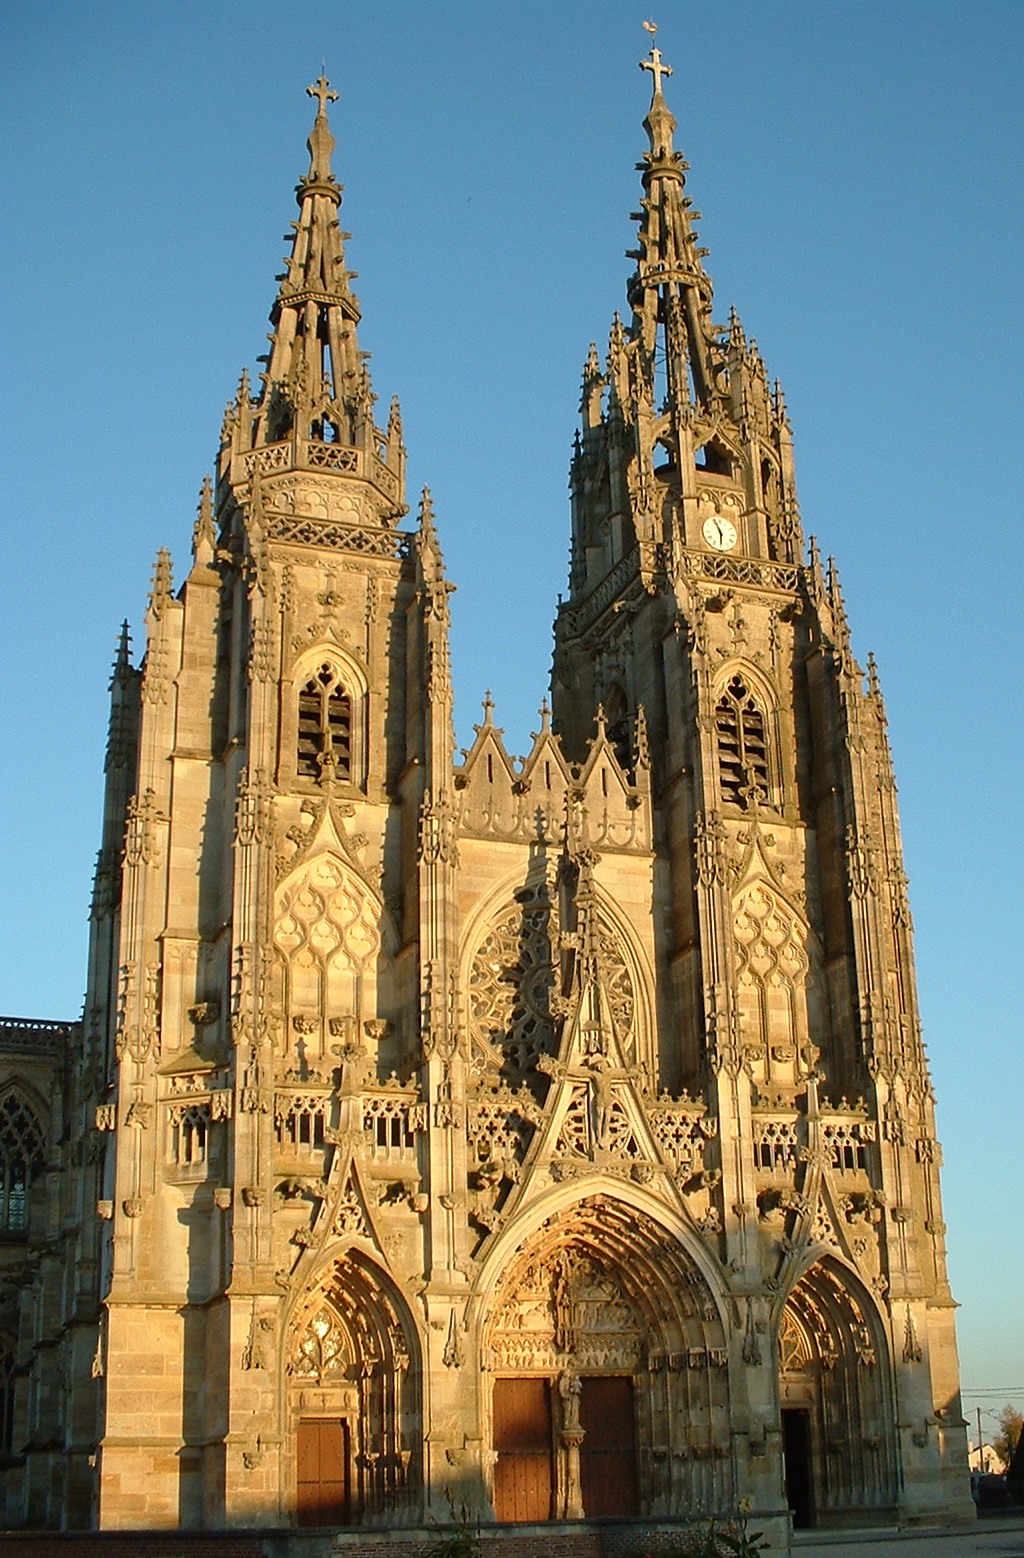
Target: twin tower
551 1133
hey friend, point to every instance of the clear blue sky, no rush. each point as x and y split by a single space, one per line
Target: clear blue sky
858 167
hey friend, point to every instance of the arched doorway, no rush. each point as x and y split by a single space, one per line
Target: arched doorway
354 1400
837 1420
608 1359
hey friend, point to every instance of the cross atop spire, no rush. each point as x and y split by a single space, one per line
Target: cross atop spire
321 141
656 68
321 90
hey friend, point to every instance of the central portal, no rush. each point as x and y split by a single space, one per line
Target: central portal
601 1432
610 1385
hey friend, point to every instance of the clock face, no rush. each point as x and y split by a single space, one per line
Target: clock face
719 532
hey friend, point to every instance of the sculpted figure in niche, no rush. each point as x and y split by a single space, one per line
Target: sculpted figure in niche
569 1389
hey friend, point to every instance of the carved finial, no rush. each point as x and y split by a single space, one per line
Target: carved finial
838 605
814 565
875 686
545 717
321 141
122 667
593 385
600 722
426 512
643 750
488 706
160 593
203 534
616 340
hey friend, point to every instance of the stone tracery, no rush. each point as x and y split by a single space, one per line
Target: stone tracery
514 982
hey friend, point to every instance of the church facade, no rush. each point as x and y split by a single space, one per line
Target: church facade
551 1134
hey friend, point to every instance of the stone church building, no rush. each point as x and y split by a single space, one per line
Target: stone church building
550 1133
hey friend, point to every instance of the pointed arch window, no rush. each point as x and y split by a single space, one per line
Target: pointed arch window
22 1155
742 745
324 727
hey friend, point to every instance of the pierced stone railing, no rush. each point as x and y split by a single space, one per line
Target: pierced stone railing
784 577
29 1034
310 455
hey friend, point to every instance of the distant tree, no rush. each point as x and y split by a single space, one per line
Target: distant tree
1005 1441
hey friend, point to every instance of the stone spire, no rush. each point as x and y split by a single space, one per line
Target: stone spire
315 409
316 384
670 286
682 426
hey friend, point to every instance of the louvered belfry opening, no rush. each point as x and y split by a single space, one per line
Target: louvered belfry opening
742 744
324 726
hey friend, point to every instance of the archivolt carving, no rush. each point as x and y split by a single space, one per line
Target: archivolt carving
352 1335
832 1333
602 1289
604 1286
794 1348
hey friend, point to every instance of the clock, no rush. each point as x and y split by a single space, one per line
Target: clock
719 532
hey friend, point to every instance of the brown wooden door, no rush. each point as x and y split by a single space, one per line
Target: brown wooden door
522 1439
322 1482
608 1451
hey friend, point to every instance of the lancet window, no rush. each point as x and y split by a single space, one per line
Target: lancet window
324 727
300 1121
742 745
21 1157
190 1134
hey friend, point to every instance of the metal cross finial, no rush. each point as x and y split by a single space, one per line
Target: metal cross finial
656 68
322 92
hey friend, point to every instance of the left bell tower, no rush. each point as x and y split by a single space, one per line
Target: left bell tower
256 943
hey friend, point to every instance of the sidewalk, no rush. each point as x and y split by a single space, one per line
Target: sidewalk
992 1538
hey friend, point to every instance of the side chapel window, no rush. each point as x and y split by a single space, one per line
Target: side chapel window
325 727
742 745
21 1157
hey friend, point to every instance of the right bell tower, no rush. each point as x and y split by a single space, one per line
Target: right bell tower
700 628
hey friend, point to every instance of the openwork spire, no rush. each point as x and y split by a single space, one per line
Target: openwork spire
670 288
316 384
315 408
681 429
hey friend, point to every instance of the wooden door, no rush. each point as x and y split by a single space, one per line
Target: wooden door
608 1451
322 1480
522 1440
